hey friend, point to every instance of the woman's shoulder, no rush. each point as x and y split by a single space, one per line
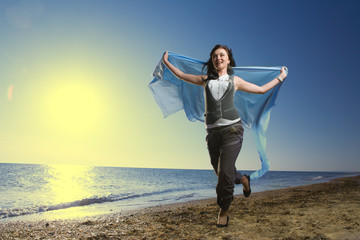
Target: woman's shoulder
237 78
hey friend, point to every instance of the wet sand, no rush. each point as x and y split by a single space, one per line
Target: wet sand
319 211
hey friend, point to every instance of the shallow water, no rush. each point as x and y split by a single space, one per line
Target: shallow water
66 191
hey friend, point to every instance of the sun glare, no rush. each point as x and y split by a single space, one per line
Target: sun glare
74 108
69 183
10 92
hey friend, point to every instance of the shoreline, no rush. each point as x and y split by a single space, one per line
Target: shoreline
77 212
328 210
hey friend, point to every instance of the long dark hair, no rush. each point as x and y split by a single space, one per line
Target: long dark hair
211 71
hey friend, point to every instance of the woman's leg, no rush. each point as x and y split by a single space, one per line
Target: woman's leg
224 146
226 175
213 140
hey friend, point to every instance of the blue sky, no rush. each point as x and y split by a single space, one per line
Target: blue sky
108 49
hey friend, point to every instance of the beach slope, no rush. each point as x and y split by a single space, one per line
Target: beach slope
319 211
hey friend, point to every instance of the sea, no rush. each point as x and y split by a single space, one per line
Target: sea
33 192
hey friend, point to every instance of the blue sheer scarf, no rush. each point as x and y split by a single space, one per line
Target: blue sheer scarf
173 95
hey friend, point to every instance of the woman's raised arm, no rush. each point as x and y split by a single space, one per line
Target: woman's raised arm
245 86
194 79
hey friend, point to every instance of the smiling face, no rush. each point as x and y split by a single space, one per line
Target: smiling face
220 59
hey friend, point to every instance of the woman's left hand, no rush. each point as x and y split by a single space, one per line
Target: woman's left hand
283 73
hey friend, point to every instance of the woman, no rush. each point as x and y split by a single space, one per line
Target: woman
223 123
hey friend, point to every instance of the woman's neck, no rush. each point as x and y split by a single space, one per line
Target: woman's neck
222 72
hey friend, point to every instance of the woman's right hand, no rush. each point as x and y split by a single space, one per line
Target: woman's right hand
194 79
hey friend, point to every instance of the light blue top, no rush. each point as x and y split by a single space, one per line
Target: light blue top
173 95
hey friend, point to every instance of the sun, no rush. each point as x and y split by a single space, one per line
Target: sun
74 108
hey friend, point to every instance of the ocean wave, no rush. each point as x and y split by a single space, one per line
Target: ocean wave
322 178
15 212
317 178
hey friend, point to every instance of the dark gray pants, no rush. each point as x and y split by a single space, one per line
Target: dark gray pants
224 145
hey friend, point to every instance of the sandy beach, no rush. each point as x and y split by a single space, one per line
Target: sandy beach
319 211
